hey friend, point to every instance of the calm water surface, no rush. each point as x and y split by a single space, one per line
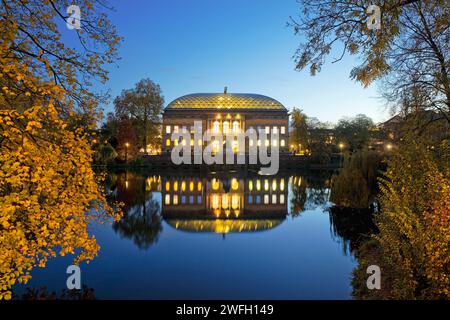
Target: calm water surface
216 236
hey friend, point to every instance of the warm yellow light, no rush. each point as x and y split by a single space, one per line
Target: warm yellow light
167 186
274 185
225 202
389 146
199 186
266 184
192 142
183 186
175 199
175 186
167 199
215 184
341 146
234 184
127 144
191 186
258 185
250 185
167 142
235 201
282 184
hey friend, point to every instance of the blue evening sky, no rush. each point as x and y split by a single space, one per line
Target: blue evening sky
190 46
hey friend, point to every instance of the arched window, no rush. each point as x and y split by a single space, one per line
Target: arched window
226 127
236 126
216 126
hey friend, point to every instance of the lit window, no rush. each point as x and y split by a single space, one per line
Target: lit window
282 184
274 199
283 130
192 142
274 185
175 186
167 186
183 186
275 129
258 199
199 142
191 186
226 127
235 126
167 142
216 126
250 185
199 199
167 129
175 142
234 184
267 130
199 186
267 143
183 199
282 143
183 142
274 142
167 199
258 185
250 199
266 199
175 129
259 143
175 199
250 142
191 199
281 198
266 184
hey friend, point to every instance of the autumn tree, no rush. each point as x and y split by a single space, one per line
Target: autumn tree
354 132
143 105
127 143
409 51
299 130
414 227
48 191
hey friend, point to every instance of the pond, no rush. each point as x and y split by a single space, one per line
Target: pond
216 235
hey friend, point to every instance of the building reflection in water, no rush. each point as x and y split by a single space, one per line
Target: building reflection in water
224 204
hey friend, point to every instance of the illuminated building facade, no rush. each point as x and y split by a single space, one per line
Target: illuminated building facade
225 113
224 205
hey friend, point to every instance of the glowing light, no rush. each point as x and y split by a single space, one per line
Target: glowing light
191 186
167 186
234 184
167 199
250 185
282 184
215 184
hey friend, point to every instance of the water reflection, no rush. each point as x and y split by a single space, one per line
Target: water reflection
225 203
142 212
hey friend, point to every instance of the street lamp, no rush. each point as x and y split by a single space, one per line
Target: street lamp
126 151
341 146
388 147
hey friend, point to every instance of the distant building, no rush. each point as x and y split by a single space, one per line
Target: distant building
225 113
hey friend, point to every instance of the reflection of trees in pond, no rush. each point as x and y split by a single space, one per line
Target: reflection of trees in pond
298 197
142 220
42 293
142 224
309 192
352 226
356 185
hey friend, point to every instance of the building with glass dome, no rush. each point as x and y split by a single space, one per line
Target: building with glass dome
225 113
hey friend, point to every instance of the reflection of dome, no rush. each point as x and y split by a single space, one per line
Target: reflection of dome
224 226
